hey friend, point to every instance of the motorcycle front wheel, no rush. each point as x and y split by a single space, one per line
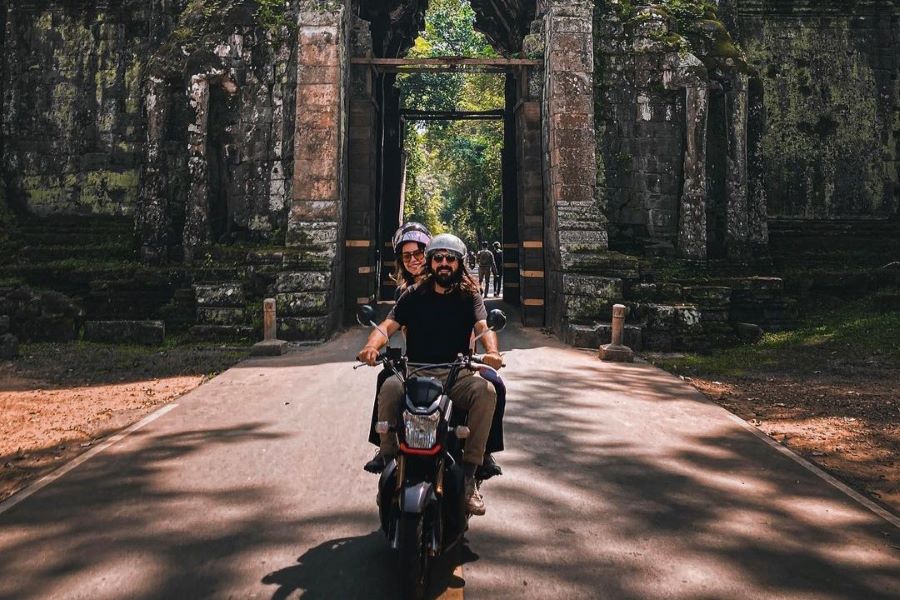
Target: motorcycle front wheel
413 556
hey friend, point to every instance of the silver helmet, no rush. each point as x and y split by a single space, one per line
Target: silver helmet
447 242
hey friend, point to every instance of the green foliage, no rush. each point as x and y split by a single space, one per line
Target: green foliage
851 330
448 32
272 13
453 168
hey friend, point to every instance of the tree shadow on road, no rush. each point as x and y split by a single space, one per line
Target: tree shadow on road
118 521
671 498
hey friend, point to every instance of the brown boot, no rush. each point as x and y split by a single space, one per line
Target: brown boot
474 501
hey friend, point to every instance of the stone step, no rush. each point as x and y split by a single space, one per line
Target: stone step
224 333
221 294
125 332
78 251
220 316
50 238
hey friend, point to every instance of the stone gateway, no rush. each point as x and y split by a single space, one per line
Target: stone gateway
252 149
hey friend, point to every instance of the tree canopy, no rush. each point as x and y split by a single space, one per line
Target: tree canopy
453 177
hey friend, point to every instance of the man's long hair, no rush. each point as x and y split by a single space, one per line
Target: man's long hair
462 279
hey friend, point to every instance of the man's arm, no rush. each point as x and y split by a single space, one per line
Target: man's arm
376 341
489 340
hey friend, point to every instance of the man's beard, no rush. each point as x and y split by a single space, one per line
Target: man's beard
447 280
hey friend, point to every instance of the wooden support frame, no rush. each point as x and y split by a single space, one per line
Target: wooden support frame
446 63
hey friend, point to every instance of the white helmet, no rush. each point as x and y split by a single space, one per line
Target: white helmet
448 242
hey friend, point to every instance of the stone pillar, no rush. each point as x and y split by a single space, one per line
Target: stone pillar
687 71
196 220
756 185
574 229
317 209
737 225
360 264
150 215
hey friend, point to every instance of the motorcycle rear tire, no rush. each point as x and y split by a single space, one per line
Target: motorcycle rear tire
413 556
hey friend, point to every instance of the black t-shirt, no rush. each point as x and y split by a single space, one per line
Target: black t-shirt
438 326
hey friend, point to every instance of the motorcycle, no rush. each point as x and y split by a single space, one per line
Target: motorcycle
420 499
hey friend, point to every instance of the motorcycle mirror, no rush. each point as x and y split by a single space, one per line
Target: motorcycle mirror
365 315
496 320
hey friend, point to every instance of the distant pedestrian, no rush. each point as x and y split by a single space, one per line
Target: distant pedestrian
486 267
498 260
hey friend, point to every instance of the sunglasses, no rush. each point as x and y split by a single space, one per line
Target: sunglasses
439 258
416 254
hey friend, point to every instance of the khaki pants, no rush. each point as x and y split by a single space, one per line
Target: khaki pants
470 392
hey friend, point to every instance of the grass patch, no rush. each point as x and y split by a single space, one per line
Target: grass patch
852 331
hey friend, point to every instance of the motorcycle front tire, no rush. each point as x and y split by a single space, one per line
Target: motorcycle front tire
413 556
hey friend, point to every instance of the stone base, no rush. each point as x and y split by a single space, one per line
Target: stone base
269 348
614 353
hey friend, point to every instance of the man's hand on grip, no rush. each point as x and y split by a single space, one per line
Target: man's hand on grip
493 360
368 355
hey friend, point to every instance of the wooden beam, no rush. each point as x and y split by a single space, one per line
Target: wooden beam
451 115
448 60
446 63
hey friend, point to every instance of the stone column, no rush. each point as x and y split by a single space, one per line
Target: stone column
737 230
756 186
150 218
317 207
687 71
196 220
574 229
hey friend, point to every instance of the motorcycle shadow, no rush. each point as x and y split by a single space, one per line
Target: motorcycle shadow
359 567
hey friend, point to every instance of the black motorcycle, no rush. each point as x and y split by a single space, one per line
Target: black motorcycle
420 498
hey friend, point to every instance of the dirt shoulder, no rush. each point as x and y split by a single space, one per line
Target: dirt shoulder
850 428
829 391
58 400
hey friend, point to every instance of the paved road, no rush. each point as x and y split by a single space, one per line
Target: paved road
621 482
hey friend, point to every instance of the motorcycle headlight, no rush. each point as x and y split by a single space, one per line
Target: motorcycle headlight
421 430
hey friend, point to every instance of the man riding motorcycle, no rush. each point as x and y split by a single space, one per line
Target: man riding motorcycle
439 315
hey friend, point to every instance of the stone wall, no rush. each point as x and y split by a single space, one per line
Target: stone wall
672 104
86 84
72 101
829 73
219 102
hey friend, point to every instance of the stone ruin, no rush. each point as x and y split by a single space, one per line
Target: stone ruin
167 164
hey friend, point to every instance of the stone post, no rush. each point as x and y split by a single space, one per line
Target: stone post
269 324
616 351
270 346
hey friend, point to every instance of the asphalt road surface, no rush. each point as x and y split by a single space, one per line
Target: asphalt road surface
619 481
